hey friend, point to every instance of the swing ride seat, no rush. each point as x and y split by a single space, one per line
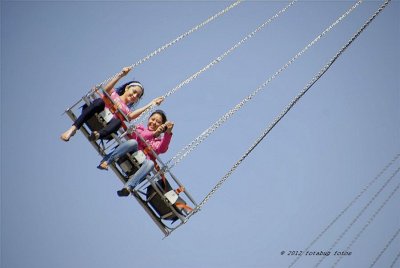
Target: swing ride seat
164 212
161 204
158 199
129 164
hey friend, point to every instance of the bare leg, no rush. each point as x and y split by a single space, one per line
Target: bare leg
69 133
95 107
103 165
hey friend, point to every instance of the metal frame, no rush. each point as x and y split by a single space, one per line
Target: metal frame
166 226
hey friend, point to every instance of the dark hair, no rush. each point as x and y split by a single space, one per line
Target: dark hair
121 89
160 112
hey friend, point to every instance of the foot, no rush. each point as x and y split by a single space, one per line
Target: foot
94 136
68 134
103 166
123 192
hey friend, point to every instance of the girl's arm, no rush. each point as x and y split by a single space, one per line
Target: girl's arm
137 112
158 145
110 85
162 146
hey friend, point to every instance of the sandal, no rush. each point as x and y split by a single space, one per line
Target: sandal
123 192
94 136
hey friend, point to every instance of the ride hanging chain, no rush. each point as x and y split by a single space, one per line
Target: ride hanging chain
193 144
370 220
357 217
167 45
218 59
287 109
376 178
385 248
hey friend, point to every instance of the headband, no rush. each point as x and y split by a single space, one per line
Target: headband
136 84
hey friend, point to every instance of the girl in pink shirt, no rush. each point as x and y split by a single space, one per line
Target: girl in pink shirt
156 125
132 92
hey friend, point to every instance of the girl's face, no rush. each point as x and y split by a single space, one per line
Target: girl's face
154 122
132 94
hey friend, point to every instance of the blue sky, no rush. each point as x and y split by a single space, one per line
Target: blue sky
58 210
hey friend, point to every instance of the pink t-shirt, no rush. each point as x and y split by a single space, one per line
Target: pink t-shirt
159 144
120 104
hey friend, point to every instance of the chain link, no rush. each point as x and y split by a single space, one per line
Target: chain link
395 260
186 33
218 59
385 248
162 48
347 208
359 214
192 145
370 220
288 107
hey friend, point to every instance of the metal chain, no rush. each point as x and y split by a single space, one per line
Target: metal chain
186 33
371 219
192 145
395 260
162 48
286 110
218 59
359 214
385 248
347 208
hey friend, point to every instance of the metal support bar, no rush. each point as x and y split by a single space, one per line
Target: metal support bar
151 214
180 184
